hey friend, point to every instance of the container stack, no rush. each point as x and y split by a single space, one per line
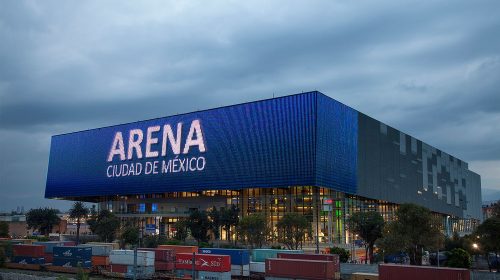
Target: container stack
28 254
100 253
71 256
164 258
277 269
240 259
122 261
205 267
49 247
259 256
334 259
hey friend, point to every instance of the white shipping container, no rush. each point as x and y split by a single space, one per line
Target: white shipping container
258 267
99 249
115 245
240 270
126 257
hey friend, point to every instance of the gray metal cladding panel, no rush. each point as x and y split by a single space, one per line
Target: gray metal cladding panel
398 168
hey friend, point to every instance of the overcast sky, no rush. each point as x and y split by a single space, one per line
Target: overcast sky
428 68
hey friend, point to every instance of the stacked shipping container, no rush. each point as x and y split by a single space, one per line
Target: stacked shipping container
28 254
240 259
100 253
122 261
300 269
219 266
164 258
71 256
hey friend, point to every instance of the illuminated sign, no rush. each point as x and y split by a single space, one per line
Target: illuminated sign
300 140
133 150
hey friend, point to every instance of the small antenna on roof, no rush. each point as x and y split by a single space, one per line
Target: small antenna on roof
273 94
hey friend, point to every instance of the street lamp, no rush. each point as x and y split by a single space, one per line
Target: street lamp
476 248
447 226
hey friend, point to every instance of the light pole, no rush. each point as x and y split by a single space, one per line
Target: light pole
447 226
476 248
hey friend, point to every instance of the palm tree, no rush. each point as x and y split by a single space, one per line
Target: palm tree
78 211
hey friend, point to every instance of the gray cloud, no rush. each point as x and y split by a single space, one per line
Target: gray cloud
430 69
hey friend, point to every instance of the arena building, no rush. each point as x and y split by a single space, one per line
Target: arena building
304 153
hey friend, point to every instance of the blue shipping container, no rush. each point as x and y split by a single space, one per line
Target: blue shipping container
71 252
238 256
71 262
28 260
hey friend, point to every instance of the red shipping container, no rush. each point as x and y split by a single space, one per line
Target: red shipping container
300 269
163 266
410 272
49 258
161 254
119 268
36 251
314 257
180 249
204 262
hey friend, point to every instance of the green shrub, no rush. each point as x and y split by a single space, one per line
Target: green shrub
205 245
150 241
343 253
173 242
81 275
40 238
458 258
231 246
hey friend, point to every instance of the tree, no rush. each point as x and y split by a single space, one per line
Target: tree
369 226
181 230
129 235
78 212
413 230
253 230
105 224
292 229
458 258
489 238
198 224
229 218
4 229
215 218
42 219
343 253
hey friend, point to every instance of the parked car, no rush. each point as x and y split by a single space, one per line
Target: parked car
401 258
443 258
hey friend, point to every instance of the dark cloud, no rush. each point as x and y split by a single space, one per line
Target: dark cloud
428 68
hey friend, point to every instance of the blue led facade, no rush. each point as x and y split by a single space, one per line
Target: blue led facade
303 140
300 140
337 138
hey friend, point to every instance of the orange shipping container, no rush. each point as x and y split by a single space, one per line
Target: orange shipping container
100 260
180 249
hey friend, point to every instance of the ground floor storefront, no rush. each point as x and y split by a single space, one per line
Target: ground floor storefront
326 209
